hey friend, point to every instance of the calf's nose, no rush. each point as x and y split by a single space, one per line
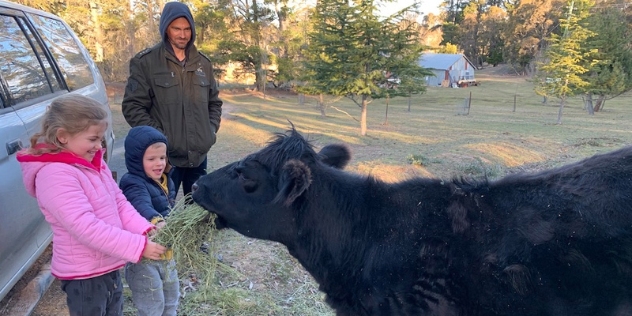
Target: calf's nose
194 187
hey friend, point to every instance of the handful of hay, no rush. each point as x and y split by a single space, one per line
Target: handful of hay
188 234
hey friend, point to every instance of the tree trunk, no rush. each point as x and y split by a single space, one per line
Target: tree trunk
410 97
559 113
280 12
365 104
98 35
200 31
601 101
153 26
255 33
131 34
588 103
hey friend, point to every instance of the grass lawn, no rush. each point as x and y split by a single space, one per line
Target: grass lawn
435 135
433 139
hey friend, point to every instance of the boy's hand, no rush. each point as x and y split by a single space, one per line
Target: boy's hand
153 250
160 225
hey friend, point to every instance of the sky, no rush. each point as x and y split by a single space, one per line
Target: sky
427 6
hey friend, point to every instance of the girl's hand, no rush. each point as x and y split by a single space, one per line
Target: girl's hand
153 250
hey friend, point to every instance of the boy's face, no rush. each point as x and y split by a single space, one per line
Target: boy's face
155 160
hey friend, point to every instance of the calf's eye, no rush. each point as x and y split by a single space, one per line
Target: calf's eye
249 185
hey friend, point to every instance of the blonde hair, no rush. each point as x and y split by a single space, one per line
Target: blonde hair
72 112
157 144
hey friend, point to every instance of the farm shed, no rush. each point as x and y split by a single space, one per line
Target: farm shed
449 69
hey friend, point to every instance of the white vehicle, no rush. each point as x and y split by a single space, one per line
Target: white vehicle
40 59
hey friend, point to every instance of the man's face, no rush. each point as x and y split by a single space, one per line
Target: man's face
179 33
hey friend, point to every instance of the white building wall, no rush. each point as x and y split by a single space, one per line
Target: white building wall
437 79
465 69
460 70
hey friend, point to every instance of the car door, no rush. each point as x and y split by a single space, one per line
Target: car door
76 71
25 89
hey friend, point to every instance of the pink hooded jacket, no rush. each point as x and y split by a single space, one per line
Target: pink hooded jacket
95 229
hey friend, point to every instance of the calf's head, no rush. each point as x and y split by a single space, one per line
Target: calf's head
255 195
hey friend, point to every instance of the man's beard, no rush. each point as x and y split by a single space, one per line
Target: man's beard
178 45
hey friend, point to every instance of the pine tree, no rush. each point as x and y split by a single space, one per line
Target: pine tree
353 53
611 72
561 76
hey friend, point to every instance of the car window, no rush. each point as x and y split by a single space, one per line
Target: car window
50 73
67 53
20 68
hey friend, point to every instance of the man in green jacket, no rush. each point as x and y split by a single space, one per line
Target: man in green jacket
171 88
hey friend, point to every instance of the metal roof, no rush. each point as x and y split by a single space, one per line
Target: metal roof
440 61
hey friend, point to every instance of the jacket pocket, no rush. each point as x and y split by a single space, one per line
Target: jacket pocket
201 87
165 81
166 88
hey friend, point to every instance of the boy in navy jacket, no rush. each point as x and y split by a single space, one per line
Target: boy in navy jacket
155 286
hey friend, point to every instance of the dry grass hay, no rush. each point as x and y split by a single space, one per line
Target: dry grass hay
188 234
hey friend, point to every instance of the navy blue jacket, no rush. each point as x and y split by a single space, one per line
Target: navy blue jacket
143 192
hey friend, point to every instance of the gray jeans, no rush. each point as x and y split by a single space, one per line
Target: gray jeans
155 287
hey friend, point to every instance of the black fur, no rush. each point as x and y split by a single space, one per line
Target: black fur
556 242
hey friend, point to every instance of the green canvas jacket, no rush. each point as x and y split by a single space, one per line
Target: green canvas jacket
180 101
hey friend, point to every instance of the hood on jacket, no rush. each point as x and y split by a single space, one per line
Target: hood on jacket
137 141
170 12
31 164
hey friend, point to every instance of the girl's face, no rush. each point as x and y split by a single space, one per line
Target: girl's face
84 144
155 160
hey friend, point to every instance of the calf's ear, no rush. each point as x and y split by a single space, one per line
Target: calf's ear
294 179
335 155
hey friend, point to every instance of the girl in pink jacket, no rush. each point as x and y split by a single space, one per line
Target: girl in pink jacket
95 229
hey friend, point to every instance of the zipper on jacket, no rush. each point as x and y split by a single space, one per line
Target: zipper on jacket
165 192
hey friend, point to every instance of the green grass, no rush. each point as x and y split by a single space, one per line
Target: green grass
493 133
434 139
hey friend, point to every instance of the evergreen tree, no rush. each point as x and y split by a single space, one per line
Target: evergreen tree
353 53
561 75
610 73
